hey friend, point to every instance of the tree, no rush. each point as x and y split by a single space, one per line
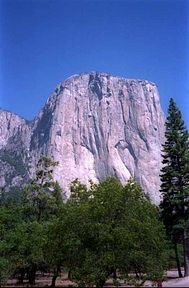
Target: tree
25 222
10 217
109 228
4 269
175 182
25 248
55 245
43 194
41 203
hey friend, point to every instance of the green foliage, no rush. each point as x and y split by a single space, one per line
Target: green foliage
5 269
24 223
175 172
42 195
112 228
44 177
26 244
175 180
171 255
78 191
10 217
100 231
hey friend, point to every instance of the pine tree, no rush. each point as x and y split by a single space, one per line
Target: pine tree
175 182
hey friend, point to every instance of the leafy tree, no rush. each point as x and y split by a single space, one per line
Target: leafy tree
42 195
55 256
25 248
138 239
147 246
5 269
175 183
24 224
109 228
101 230
41 205
10 217
79 191
55 245
57 194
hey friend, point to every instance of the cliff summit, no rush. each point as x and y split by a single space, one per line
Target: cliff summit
95 125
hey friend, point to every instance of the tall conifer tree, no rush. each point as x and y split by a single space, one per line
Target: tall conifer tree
175 182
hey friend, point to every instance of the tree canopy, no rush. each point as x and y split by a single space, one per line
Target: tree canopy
104 230
175 181
113 229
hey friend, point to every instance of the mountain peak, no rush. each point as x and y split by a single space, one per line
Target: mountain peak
97 125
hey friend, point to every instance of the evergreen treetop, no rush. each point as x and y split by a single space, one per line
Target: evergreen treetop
175 178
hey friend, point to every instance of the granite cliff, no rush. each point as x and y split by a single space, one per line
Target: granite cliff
96 125
14 149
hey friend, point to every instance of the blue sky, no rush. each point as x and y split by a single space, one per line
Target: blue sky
45 41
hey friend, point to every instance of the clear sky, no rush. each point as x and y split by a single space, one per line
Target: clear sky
42 42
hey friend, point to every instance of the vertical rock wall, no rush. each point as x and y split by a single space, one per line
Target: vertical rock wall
96 125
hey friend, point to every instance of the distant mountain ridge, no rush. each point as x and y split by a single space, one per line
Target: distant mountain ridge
96 125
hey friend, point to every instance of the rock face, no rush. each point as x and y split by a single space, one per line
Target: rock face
96 125
14 149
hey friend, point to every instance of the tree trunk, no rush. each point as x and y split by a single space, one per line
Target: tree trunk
21 277
114 274
69 275
177 260
100 283
32 274
186 251
53 283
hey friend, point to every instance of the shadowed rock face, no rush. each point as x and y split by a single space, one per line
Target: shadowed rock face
14 149
97 125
